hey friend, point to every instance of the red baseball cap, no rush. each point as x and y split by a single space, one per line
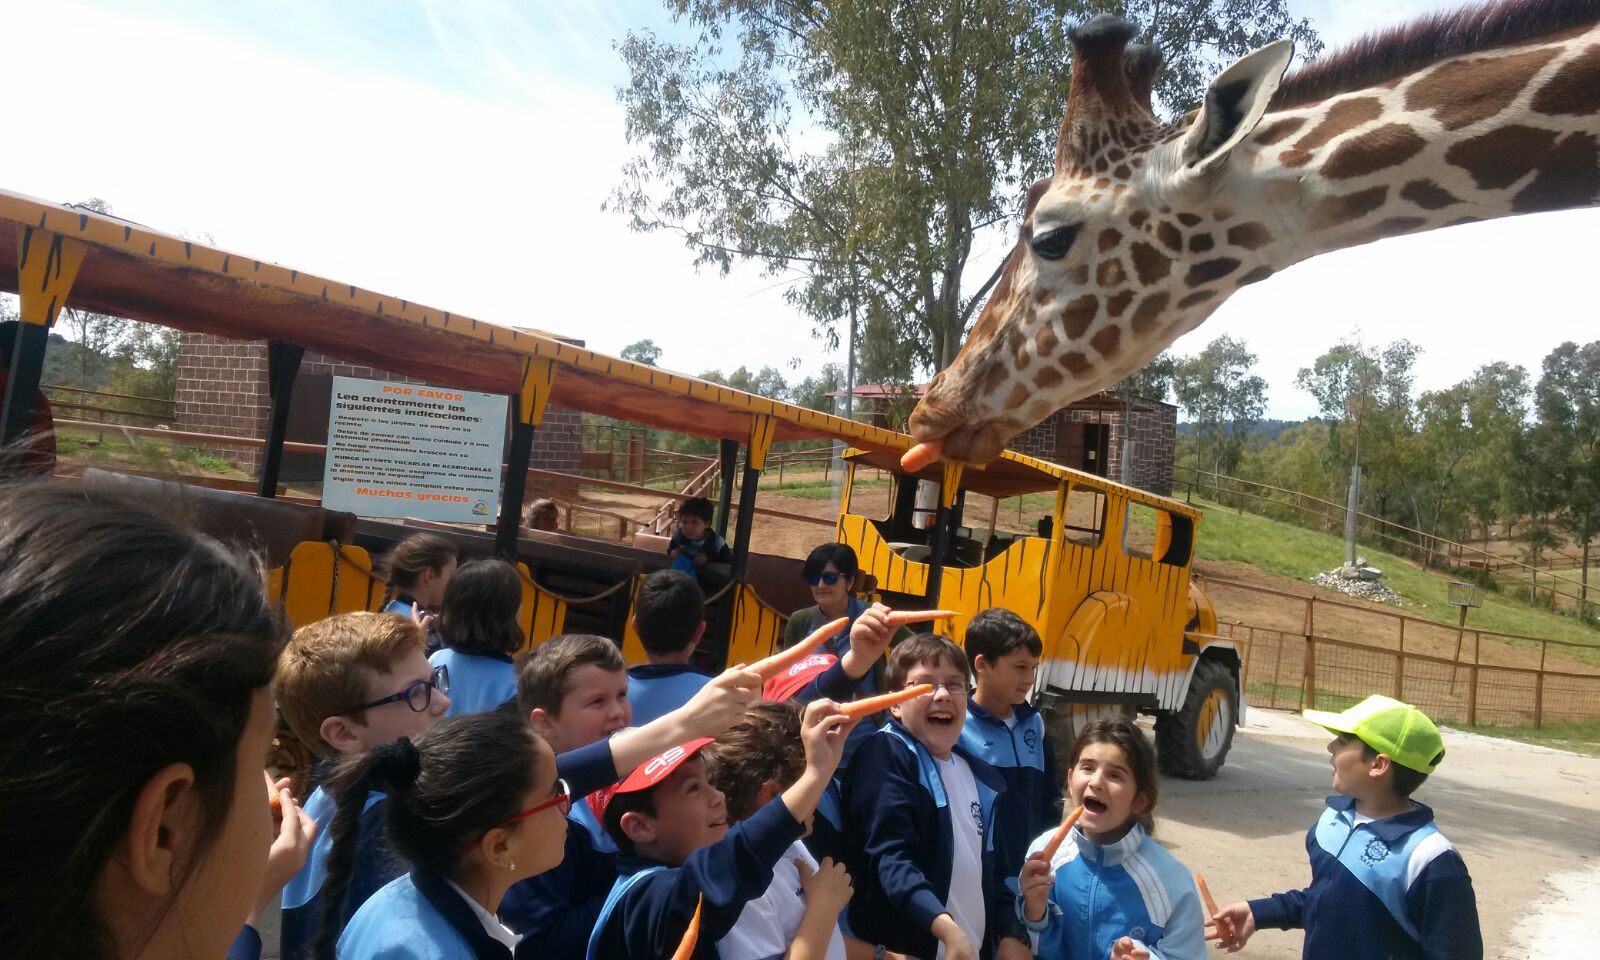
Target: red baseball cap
646 775
789 682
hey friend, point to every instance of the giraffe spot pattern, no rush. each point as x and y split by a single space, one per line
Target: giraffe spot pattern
1122 172
1569 176
1201 242
1108 341
1043 296
1208 270
1119 302
1255 276
1045 341
1499 158
1169 236
1110 274
1198 297
1047 378
1018 396
1138 218
1271 133
1342 117
1149 263
1222 214
1575 89
1075 363
1109 239
1250 236
1333 211
1079 276
1189 219
1379 149
1148 314
1462 92
1078 315
1428 195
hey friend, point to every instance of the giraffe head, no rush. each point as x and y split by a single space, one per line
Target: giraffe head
1094 288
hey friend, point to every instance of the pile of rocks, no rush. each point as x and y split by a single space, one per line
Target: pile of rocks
1358 580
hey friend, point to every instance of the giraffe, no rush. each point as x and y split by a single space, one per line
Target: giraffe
1144 229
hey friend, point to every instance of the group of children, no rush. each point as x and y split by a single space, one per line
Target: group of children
583 809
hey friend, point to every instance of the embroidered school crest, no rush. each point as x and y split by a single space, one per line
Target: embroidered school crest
1377 851
977 815
1031 738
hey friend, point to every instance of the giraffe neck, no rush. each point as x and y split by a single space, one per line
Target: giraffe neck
1476 137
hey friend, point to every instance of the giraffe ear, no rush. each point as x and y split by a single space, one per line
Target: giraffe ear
1234 104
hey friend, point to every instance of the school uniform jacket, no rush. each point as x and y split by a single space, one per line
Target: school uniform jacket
902 844
1132 888
1025 759
1390 888
657 689
417 916
649 909
478 682
375 865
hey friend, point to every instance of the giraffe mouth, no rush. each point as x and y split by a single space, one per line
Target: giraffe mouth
961 436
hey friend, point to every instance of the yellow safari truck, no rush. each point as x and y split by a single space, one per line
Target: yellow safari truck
1124 629
1104 579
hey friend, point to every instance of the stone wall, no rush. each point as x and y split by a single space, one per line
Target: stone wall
222 388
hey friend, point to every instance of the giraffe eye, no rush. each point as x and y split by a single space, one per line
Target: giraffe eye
1054 244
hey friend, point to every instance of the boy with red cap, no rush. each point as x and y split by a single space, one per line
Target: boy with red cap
677 854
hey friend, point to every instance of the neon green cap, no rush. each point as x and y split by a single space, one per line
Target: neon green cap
1397 730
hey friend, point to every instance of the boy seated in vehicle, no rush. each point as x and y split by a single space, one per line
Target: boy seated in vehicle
694 544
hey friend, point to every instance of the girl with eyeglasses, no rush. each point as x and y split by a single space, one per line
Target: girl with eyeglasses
474 805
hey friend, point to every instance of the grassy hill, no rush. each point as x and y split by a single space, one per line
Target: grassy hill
1292 551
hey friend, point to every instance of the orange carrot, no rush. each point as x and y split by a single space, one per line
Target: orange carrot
922 455
1223 927
1054 844
861 708
273 799
900 618
779 662
691 936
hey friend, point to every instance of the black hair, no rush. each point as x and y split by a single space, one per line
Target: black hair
479 613
697 507
995 633
460 779
1405 780
411 556
668 610
127 643
1121 732
638 801
840 555
763 746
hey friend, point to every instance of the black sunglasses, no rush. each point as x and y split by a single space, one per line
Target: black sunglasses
418 696
831 577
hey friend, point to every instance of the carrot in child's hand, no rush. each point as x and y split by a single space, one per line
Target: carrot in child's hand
922 455
691 936
273 799
900 618
1054 843
783 660
1223 926
861 708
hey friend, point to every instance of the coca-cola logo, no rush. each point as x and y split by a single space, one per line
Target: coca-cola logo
817 660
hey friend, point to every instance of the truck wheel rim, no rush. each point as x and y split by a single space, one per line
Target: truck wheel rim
1211 728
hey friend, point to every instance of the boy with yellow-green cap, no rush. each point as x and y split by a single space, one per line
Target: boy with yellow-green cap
1385 883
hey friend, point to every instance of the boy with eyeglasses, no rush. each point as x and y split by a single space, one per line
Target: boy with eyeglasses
919 815
345 685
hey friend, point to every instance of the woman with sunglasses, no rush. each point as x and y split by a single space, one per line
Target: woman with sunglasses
474 805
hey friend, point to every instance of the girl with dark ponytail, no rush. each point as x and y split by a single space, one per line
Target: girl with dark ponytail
419 569
474 805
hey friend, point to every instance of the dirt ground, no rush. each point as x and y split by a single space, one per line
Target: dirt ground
1522 817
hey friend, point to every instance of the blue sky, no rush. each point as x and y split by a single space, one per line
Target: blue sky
458 153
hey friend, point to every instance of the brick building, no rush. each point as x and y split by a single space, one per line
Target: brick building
222 388
1087 435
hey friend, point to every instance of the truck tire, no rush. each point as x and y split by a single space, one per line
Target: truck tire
1065 721
1193 742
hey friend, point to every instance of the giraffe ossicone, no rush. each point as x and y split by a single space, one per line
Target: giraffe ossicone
1143 229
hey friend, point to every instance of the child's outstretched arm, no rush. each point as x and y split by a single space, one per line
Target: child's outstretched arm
827 891
823 731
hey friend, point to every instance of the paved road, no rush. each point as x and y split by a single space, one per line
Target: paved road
1523 817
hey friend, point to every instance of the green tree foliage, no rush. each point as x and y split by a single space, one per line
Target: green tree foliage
642 351
1153 381
1220 394
1565 443
861 146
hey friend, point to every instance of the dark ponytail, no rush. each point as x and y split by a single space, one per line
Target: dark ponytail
127 643
463 777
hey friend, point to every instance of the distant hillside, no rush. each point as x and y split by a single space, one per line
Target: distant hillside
1266 429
